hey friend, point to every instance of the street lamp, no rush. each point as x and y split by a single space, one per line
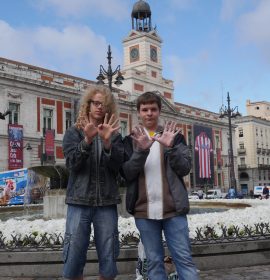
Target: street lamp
230 113
109 73
3 115
28 146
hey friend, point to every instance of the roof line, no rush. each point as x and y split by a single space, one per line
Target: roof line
43 69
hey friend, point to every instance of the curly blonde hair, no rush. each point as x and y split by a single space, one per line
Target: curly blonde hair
109 102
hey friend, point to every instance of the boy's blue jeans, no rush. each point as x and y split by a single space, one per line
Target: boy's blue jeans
77 236
177 239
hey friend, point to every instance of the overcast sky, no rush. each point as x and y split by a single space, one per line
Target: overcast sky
209 47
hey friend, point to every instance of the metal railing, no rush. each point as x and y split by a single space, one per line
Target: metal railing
207 235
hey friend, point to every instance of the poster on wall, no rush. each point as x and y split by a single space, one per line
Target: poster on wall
15 146
12 186
204 155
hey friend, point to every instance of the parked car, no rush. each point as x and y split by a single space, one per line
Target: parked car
239 195
214 193
195 195
258 191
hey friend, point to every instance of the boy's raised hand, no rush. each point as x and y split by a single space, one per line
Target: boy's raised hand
141 139
89 129
107 128
168 135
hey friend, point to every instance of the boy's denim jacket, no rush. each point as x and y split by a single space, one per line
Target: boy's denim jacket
92 178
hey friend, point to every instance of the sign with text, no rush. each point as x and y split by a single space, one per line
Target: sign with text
15 146
49 142
12 186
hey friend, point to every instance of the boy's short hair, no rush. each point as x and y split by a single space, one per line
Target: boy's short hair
148 98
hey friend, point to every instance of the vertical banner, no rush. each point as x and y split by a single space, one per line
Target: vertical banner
12 186
204 156
15 146
49 142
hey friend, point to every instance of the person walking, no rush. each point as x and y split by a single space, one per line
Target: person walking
231 192
156 159
94 152
265 192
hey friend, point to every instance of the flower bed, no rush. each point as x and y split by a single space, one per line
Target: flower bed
52 231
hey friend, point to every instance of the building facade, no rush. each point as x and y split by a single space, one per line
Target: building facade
44 103
253 149
259 109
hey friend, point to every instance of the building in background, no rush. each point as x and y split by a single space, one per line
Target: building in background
253 146
44 104
260 109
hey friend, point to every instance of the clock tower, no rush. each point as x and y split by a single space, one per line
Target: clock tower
142 67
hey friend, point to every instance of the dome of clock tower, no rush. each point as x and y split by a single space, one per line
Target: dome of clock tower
141 16
141 9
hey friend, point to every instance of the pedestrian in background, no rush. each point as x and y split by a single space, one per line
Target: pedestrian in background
93 151
231 192
265 192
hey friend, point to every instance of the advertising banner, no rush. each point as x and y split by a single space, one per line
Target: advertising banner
49 142
15 146
12 186
204 156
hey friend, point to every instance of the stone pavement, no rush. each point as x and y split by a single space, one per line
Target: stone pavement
242 273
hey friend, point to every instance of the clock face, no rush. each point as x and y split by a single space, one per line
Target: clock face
153 54
134 54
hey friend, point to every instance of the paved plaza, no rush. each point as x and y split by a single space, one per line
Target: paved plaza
241 273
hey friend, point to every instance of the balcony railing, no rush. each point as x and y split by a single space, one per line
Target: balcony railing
264 166
241 151
242 166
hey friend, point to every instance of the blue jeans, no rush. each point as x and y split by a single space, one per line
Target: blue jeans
177 239
77 237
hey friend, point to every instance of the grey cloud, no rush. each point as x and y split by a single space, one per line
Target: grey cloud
252 26
114 9
229 8
74 50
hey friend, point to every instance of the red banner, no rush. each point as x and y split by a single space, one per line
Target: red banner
15 146
49 142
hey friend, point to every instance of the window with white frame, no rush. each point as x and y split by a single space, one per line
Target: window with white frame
241 145
217 142
241 133
47 119
68 119
123 128
14 116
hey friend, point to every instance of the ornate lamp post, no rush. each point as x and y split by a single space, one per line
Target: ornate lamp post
3 115
227 111
109 73
28 147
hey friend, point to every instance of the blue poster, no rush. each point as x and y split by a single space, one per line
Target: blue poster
12 186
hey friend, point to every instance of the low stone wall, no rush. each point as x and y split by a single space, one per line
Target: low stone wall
48 263
54 206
